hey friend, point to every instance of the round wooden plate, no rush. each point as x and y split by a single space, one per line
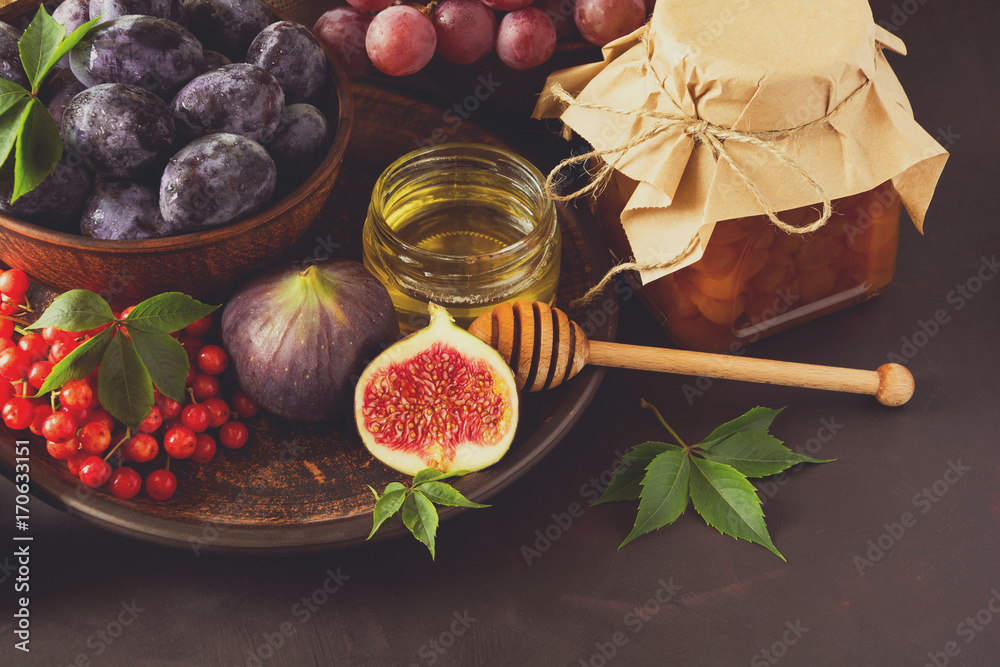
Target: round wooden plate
302 488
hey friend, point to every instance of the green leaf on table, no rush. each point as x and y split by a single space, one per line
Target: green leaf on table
664 493
627 479
124 385
166 361
167 313
38 148
712 474
758 419
444 494
10 120
38 46
79 363
756 454
76 310
729 503
387 504
420 517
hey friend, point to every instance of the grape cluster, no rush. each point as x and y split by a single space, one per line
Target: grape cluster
401 39
163 132
77 430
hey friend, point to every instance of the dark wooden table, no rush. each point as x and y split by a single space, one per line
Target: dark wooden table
893 551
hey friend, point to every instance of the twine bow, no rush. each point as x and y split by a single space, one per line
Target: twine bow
700 130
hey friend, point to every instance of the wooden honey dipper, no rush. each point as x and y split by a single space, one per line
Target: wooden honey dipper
545 348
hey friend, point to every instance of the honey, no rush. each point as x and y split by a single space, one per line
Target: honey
466 226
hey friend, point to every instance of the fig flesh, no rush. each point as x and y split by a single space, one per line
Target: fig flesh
440 398
298 338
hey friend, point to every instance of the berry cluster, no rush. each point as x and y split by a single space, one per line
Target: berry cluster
77 430
402 38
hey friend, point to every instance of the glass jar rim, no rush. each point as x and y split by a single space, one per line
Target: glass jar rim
459 149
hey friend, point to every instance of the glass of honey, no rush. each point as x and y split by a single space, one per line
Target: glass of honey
467 226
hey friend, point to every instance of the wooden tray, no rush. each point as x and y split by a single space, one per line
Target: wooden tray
301 488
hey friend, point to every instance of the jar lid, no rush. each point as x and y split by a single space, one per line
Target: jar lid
722 109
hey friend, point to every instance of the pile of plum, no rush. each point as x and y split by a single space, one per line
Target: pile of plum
176 116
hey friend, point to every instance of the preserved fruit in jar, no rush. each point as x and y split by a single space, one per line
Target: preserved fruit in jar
754 280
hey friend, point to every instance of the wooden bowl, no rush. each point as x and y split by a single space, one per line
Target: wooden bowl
202 264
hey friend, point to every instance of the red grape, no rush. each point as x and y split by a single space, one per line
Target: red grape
400 40
506 5
466 30
370 5
601 21
560 12
525 38
342 32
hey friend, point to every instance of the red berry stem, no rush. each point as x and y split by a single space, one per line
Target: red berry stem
125 438
16 320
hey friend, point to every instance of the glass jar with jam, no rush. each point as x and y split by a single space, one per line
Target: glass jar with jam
754 279
704 135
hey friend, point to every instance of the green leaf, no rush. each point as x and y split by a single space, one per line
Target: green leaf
374 492
758 419
167 313
664 493
626 482
11 94
76 310
10 122
72 40
38 46
756 454
387 505
166 361
78 363
432 475
124 385
445 494
38 148
420 517
728 502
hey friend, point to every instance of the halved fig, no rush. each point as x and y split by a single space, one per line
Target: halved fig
440 398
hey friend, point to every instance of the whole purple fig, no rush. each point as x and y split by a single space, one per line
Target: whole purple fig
299 338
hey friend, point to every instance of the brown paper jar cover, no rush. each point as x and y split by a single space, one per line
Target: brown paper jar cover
753 67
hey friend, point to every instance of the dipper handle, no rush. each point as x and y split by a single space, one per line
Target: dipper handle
545 349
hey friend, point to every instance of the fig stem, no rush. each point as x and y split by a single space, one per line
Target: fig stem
652 408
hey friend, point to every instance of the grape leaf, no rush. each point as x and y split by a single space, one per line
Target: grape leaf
756 454
71 40
11 94
38 46
38 148
166 361
76 310
713 474
78 363
167 313
432 474
758 419
443 494
387 504
123 383
417 503
626 481
664 493
10 121
728 502
420 517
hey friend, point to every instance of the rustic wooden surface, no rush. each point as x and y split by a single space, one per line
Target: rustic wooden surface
892 550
